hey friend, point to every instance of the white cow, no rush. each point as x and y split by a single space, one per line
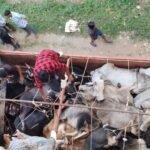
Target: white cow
134 80
117 119
145 71
100 91
138 144
142 100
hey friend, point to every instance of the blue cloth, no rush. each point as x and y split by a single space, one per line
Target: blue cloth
94 33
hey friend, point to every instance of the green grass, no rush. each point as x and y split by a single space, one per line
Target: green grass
112 16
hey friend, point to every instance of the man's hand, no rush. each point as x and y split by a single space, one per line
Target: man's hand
64 82
45 97
19 135
70 77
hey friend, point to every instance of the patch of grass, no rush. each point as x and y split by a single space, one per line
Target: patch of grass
112 16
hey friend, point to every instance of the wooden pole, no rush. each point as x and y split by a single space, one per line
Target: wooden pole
2 107
61 98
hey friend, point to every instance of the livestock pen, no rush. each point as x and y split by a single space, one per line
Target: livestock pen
87 63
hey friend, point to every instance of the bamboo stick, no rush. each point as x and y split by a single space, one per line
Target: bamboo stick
61 98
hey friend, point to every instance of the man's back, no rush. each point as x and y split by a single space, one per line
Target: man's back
19 19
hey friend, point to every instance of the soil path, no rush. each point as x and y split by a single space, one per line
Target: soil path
71 44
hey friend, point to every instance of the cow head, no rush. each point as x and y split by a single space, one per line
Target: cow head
93 90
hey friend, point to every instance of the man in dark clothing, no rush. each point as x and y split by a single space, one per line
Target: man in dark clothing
47 63
7 39
11 72
14 80
94 32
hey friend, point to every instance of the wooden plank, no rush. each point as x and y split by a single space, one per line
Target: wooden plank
61 99
17 57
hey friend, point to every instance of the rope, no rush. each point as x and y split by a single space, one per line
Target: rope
25 118
125 132
91 126
124 138
83 74
127 103
139 130
67 105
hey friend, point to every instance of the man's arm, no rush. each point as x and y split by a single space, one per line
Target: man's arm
39 85
70 77
44 96
58 66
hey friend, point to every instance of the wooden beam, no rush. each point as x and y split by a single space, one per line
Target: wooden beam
17 57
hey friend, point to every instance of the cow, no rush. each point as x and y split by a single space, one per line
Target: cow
101 90
79 118
108 138
63 128
115 119
75 123
145 71
134 80
142 100
23 122
31 118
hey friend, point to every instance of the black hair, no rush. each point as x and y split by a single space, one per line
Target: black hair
7 12
58 54
2 142
91 24
43 76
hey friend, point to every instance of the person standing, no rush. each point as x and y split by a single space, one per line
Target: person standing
8 39
94 32
47 63
21 22
7 26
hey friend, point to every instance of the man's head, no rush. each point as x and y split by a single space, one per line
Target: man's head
4 138
43 76
7 13
3 73
91 24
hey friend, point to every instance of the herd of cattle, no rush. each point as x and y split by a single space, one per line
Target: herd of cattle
108 89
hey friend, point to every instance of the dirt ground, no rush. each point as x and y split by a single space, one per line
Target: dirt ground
123 45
